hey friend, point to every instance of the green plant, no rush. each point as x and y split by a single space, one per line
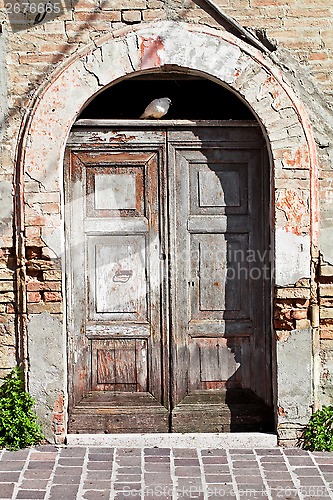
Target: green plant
18 422
318 434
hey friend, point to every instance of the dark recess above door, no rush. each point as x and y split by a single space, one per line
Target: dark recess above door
193 98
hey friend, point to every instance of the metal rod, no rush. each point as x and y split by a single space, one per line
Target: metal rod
246 34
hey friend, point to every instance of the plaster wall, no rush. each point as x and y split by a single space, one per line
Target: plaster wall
216 54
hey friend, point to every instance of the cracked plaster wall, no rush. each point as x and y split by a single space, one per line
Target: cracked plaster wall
294 394
214 53
47 357
320 111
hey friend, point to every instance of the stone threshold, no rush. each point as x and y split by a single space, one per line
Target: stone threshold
177 440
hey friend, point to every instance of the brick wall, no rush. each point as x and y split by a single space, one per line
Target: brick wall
301 30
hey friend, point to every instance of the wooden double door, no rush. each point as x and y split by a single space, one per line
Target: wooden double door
168 276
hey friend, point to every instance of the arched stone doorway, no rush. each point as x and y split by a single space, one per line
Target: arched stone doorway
203 51
169 254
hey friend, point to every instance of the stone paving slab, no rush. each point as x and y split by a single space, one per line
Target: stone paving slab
94 473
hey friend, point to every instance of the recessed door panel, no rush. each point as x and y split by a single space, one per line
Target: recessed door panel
117 281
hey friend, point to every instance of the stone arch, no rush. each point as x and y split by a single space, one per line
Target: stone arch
209 52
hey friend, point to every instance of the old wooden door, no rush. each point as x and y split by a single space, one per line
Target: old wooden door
167 276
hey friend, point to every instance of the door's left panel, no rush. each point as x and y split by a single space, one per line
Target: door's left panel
116 336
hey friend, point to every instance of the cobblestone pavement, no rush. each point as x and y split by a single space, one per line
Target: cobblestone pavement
94 473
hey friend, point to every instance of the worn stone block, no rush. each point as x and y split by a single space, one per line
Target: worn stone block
292 293
326 312
7 297
325 290
131 16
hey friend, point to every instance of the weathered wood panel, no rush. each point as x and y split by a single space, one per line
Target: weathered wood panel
118 412
231 410
219 337
117 275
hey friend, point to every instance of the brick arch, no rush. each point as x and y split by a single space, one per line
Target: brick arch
217 54
208 52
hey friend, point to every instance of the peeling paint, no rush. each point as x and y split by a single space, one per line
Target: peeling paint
47 365
295 385
282 335
282 412
271 87
296 159
292 257
149 47
294 207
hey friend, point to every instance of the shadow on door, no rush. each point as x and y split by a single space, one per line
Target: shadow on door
203 187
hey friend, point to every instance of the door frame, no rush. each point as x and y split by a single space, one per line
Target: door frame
169 310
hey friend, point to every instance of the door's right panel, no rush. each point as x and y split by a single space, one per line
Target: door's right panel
219 336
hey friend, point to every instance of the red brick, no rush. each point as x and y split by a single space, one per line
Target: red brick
40 58
131 16
59 404
51 286
50 208
52 297
326 333
10 309
150 15
34 297
261 3
35 220
59 429
58 418
299 313
51 307
111 16
32 232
